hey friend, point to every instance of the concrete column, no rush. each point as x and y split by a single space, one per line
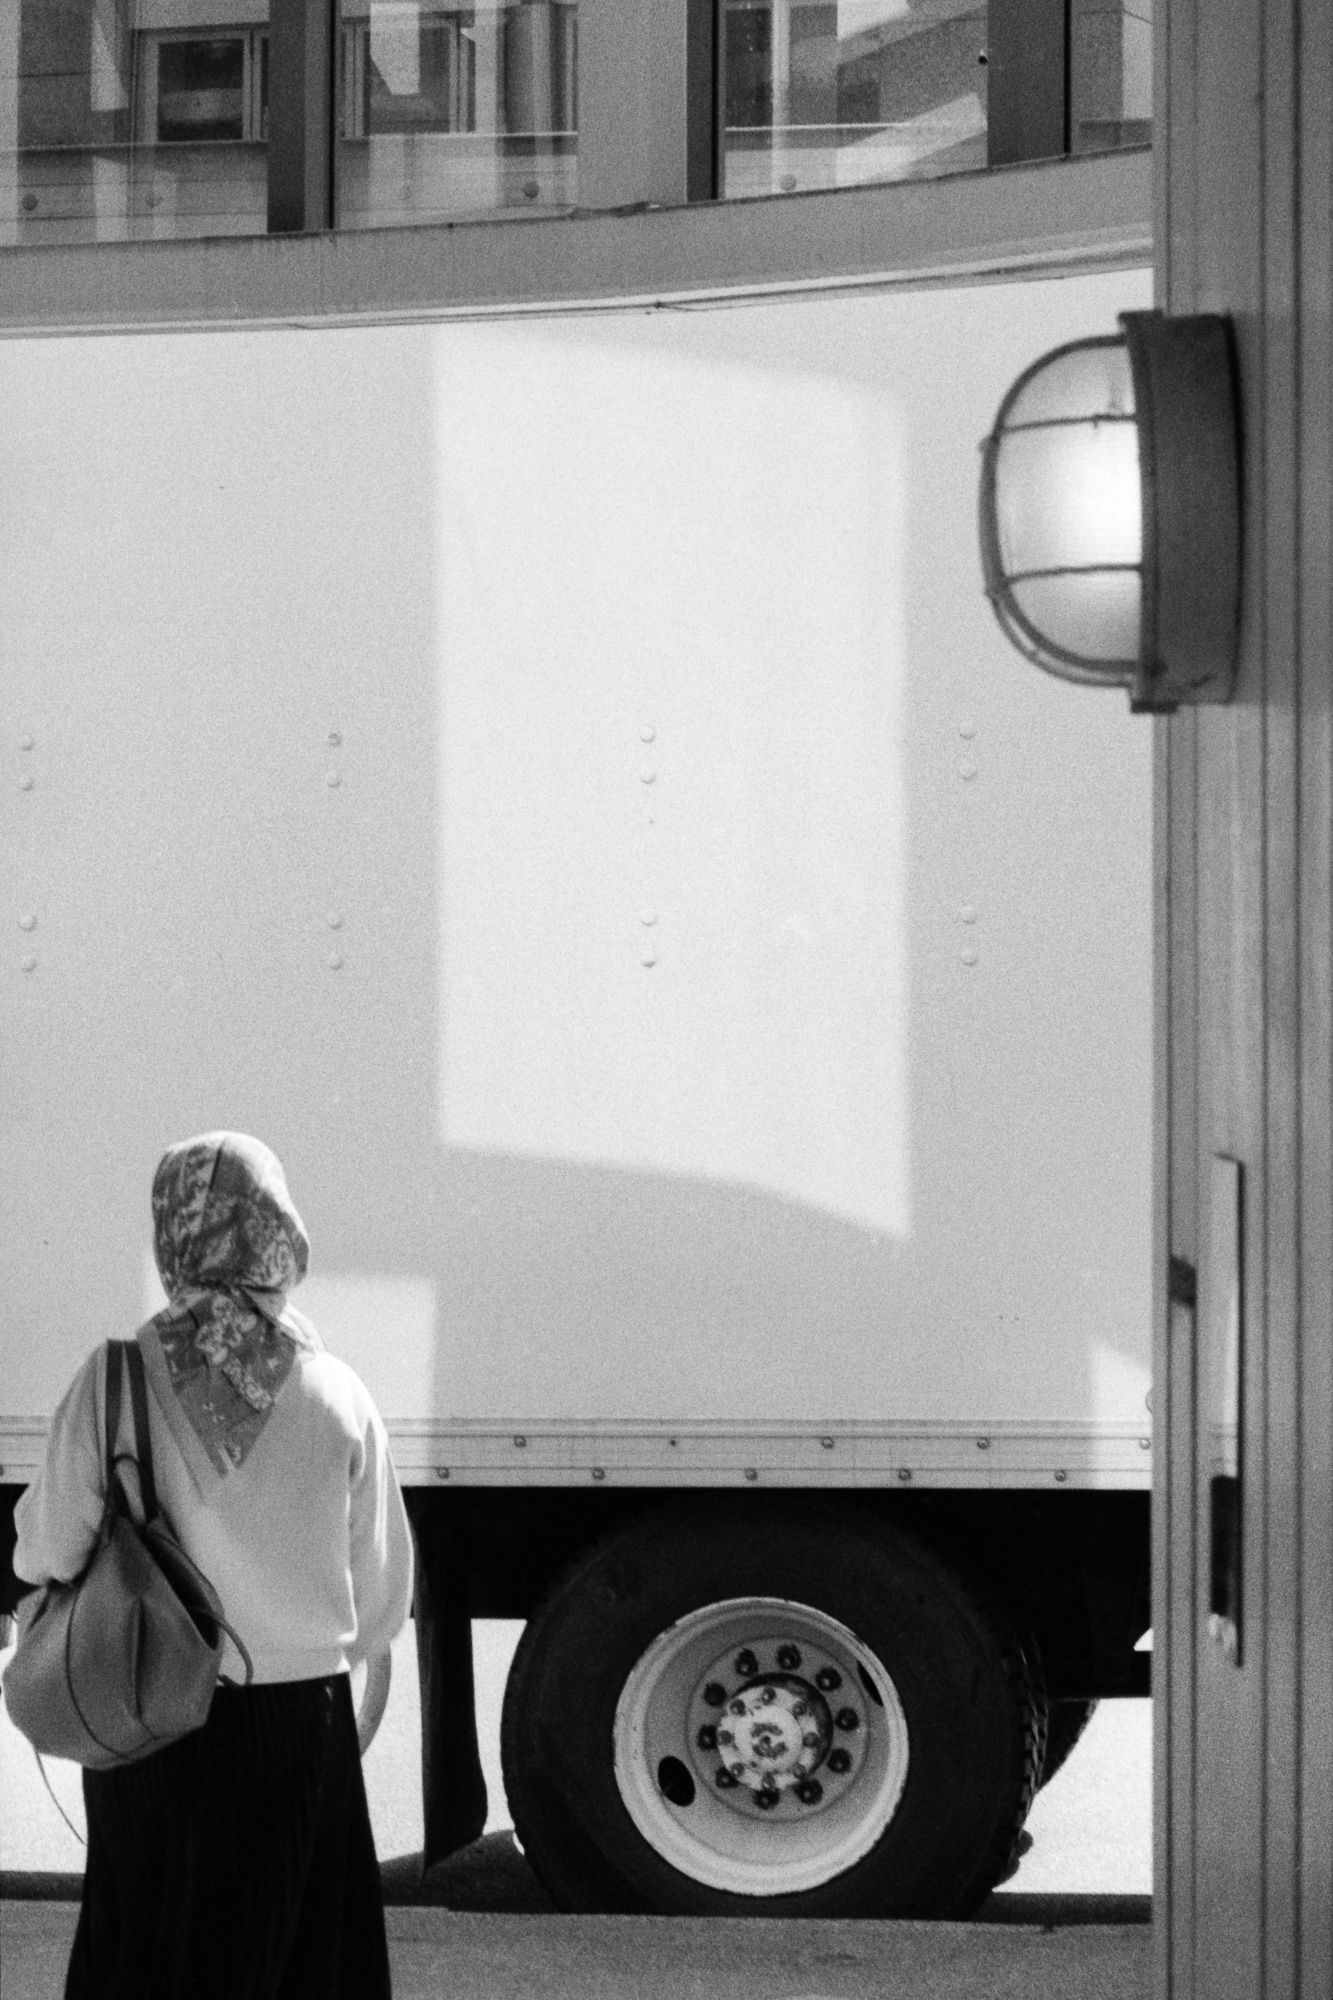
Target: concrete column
633 102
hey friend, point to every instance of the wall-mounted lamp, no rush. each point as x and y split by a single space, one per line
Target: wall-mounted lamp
1110 511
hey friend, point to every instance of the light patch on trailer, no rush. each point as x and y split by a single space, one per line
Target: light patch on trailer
382 1323
673 852
1120 1385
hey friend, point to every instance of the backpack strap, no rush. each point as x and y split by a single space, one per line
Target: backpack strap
143 1443
123 1356
113 1373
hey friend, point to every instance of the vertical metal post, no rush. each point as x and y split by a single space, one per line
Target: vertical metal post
302 127
11 67
1027 80
780 65
488 106
703 114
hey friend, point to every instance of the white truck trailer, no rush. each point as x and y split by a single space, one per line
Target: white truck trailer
558 782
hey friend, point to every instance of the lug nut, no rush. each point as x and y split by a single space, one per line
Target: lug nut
767 1798
725 1736
828 1678
789 1658
723 1779
715 1694
746 1663
707 1737
736 1768
800 1708
736 1706
768 1696
810 1792
839 1761
847 1718
810 1741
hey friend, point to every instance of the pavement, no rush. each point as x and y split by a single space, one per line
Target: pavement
467 1955
1072 1924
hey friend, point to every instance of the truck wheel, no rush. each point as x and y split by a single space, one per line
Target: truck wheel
793 1713
1065 1723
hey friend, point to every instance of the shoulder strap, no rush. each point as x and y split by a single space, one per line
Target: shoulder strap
143 1443
113 1351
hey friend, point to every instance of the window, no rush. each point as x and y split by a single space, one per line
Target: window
1110 74
194 89
831 95
148 118
450 111
129 122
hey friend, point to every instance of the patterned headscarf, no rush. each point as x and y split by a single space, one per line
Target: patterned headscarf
229 1246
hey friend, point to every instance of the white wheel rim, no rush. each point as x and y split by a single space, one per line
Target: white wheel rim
831 1724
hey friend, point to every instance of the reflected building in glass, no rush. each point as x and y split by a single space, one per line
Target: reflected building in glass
449 111
124 119
836 95
840 93
149 118
132 118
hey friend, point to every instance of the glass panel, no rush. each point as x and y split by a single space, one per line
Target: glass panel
1069 495
201 89
831 95
1089 380
122 119
452 110
1110 74
1096 615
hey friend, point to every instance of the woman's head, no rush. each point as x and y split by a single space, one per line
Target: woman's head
222 1218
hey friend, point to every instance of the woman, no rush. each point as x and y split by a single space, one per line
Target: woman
239 1861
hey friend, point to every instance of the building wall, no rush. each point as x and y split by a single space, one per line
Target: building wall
1245 1815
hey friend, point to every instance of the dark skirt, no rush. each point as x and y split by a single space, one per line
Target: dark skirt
239 1863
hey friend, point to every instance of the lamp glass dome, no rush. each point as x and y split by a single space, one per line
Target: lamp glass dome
1066 515
1089 378
1097 615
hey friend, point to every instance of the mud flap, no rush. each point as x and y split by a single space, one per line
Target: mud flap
453 1790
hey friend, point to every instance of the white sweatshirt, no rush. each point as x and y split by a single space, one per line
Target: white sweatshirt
306 1543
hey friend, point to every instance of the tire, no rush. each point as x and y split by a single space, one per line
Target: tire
882 1759
1065 1723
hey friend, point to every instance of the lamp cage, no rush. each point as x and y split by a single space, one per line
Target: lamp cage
1110 520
